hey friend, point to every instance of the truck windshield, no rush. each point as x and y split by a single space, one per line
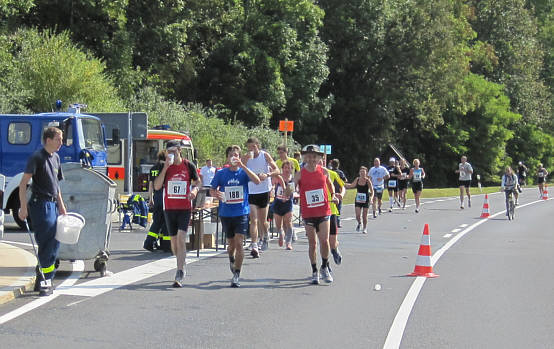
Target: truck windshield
92 135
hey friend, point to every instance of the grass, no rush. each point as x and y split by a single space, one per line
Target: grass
427 193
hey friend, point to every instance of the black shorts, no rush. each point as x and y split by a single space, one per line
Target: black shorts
378 195
466 184
402 185
176 220
417 186
315 221
260 200
234 225
540 180
361 204
333 225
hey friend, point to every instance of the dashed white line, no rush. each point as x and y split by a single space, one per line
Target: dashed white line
457 230
447 236
463 225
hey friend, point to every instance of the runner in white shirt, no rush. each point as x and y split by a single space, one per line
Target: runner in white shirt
207 173
465 171
378 175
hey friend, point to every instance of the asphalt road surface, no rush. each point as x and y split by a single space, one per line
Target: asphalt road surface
495 290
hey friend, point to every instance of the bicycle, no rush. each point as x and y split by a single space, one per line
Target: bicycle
510 204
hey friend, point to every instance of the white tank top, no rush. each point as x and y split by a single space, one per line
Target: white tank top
259 165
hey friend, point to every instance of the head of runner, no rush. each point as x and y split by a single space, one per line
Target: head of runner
312 156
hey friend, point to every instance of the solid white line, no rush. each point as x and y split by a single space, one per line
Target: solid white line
394 337
99 286
78 267
17 243
447 235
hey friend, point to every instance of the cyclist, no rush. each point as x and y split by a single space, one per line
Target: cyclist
509 183
542 173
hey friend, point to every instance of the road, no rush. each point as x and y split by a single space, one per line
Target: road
492 291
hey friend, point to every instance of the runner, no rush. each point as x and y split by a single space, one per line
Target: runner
312 181
230 186
283 155
403 182
335 166
392 183
417 174
508 185
542 173
180 181
521 175
263 165
340 191
364 194
282 205
378 175
464 180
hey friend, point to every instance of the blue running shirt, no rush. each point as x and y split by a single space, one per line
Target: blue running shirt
235 186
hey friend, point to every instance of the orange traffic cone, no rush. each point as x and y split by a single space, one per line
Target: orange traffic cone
485 213
545 192
423 265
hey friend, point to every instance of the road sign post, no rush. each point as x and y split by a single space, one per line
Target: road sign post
286 126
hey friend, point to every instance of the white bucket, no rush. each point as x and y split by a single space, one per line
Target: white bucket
69 227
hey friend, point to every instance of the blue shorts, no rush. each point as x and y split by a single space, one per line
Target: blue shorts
234 225
176 220
281 208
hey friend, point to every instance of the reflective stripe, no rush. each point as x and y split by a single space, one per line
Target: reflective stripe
166 237
152 234
423 261
49 269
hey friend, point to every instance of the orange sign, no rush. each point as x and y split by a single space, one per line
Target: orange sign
286 126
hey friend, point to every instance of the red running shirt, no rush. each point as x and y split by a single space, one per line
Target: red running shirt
177 186
313 193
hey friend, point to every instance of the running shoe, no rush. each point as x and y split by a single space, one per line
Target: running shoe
315 278
235 283
390 209
337 256
417 210
289 246
380 211
364 231
374 215
358 227
326 275
179 276
281 239
254 253
265 245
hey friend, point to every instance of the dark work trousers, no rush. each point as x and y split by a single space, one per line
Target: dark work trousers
43 216
158 228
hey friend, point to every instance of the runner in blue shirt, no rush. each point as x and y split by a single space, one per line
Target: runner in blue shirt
378 175
230 186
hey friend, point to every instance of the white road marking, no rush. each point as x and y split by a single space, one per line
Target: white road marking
348 219
457 230
463 225
78 267
396 331
17 243
99 286
447 235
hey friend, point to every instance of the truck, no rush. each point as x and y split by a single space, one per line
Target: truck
130 172
84 140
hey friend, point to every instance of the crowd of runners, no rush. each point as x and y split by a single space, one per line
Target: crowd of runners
252 185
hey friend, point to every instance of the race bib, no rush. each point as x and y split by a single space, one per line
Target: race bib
417 176
392 183
177 189
315 198
379 189
281 194
234 194
404 176
541 174
361 198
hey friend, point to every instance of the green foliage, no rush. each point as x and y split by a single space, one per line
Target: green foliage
52 68
14 97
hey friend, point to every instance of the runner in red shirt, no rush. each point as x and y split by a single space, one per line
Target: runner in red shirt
314 205
180 182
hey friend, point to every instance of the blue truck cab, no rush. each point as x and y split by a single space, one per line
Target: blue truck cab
84 140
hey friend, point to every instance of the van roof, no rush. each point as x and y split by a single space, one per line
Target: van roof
166 135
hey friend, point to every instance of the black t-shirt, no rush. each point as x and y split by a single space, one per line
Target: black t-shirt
392 170
406 172
521 171
47 172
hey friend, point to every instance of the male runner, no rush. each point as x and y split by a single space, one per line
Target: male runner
465 170
378 175
180 181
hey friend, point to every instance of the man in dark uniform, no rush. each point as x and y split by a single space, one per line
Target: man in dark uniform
46 203
157 229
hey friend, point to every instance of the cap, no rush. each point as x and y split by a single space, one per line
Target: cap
173 144
392 158
311 148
